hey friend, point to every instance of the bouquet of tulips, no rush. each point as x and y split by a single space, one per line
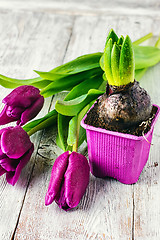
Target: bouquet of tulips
85 80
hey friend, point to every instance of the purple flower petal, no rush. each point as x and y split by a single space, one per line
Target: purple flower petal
12 177
2 155
22 96
57 176
15 142
14 112
76 179
61 200
32 111
4 119
9 164
2 171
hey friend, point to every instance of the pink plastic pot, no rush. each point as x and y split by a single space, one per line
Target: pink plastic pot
118 155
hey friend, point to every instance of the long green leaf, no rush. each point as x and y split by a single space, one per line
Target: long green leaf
120 41
146 56
72 131
115 55
142 39
41 123
112 35
80 64
83 88
63 122
107 60
127 63
73 107
139 73
51 76
68 82
13 83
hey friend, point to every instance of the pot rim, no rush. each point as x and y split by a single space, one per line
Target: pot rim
119 134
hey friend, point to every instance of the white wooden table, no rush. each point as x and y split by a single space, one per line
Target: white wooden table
42 35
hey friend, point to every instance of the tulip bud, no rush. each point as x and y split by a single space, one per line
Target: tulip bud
15 151
21 105
69 180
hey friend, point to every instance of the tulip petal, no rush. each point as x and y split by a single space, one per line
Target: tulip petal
9 164
12 177
14 112
2 171
2 155
4 119
22 96
15 142
76 179
32 111
61 200
57 177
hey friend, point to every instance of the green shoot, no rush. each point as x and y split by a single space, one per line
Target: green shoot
118 60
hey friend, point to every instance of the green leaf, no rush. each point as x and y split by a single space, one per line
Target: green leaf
48 120
127 63
73 107
146 56
72 132
68 82
13 82
139 73
50 75
120 41
112 36
115 55
157 44
63 122
41 84
104 77
142 39
83 88
101 62
102 87
82 136
80 64
107 60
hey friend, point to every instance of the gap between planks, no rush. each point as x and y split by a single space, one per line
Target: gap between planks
12 238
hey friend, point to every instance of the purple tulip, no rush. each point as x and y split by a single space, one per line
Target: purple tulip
21 105
15 151
69 180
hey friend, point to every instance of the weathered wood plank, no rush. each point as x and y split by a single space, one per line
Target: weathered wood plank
109 210
86 7
29 41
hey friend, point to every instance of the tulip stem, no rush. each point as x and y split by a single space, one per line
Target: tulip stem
75 145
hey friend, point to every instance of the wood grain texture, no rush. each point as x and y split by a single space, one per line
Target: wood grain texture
41 38
30 43
86 7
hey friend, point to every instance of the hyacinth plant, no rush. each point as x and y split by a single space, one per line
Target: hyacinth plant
124 104
84 80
